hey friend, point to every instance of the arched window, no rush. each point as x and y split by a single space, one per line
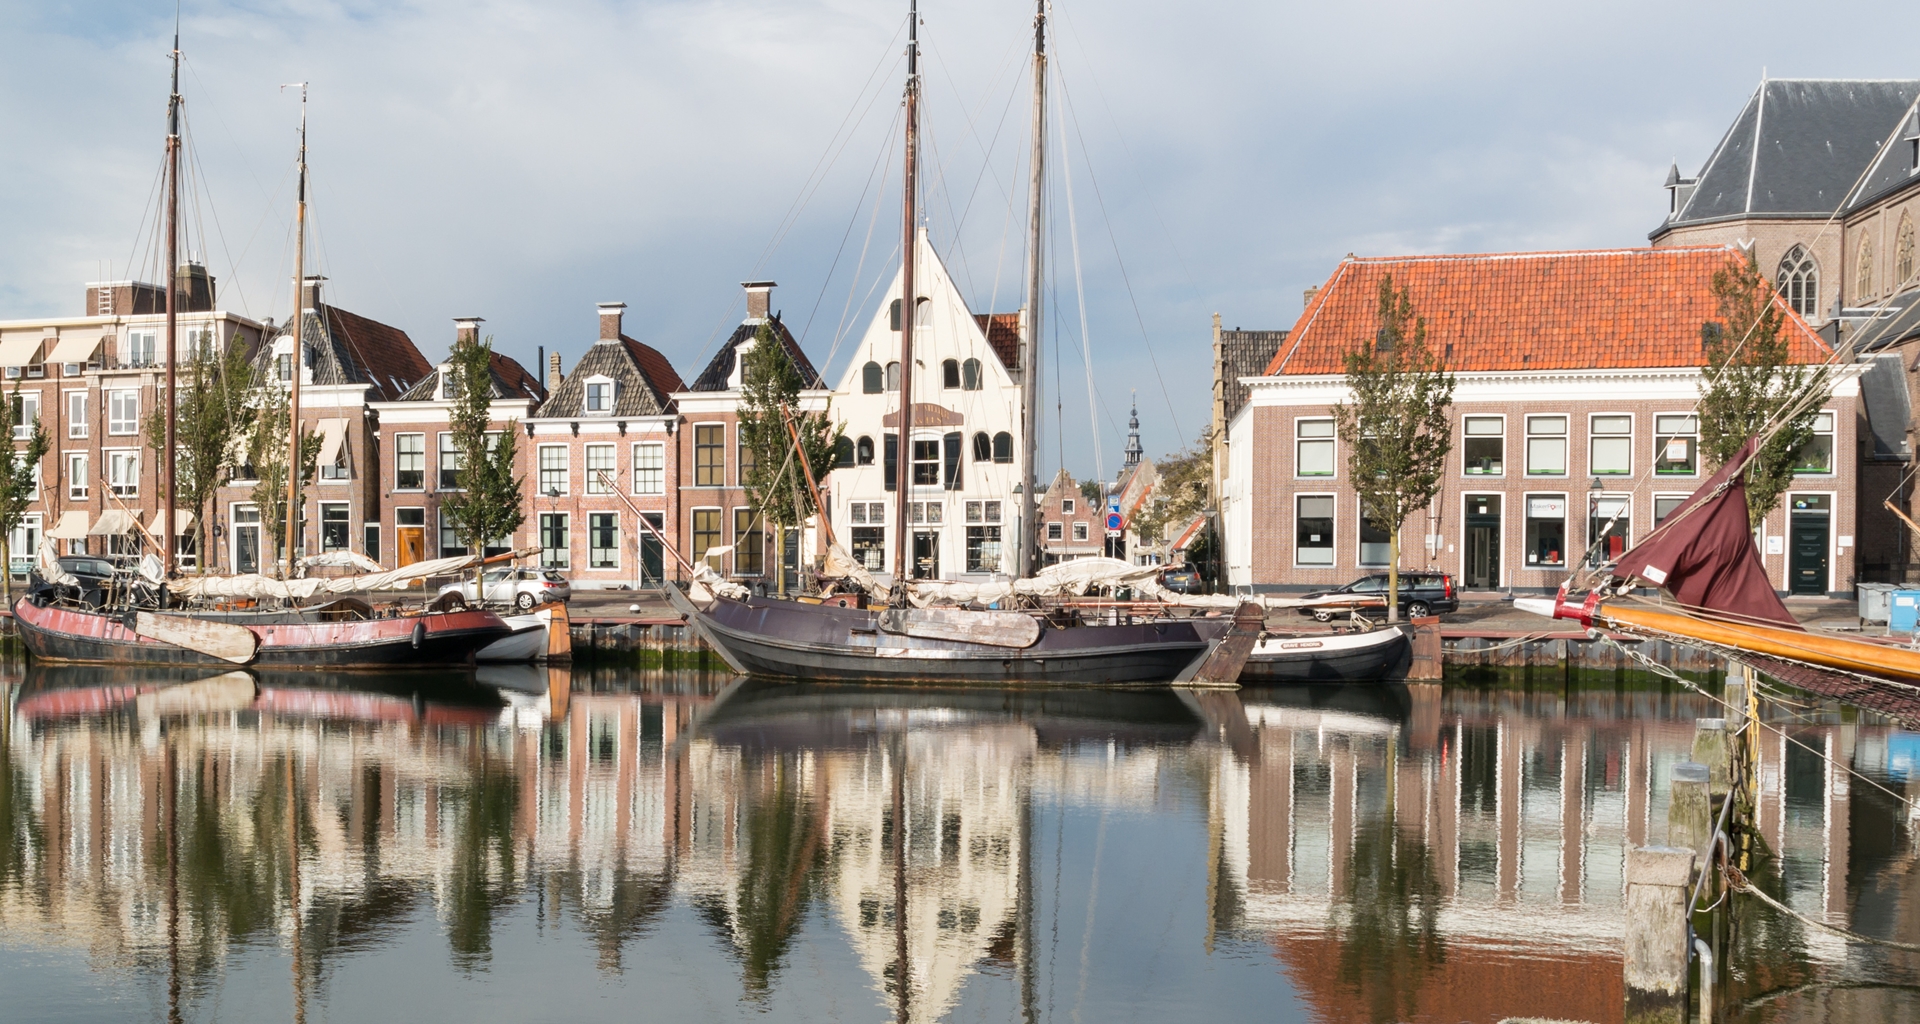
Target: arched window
863 451
1003 447
1863 271
923 312
871 380
982 447
843 452
970 375
1903 250
893 315
893 376
950 373
1798 281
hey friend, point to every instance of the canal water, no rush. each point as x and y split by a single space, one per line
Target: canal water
620 845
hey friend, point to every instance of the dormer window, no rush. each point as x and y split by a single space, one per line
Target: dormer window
599 396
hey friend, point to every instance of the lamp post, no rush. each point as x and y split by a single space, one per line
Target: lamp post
553 509
1215 542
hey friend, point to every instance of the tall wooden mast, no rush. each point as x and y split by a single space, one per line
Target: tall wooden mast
903 568
298 337
173 309
1028 523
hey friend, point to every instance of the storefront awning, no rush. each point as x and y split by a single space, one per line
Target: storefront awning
72 526
75 348
182 521
333 433
19 349
112 523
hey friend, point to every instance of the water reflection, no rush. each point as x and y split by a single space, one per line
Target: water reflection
343 847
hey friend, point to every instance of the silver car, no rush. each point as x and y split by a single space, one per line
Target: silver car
522 588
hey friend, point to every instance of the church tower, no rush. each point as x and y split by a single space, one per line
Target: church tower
1134 451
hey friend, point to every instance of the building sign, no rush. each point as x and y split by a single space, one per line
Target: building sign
1547 508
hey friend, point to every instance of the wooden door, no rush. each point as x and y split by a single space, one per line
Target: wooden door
413 544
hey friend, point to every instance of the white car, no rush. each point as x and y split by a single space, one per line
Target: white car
522 588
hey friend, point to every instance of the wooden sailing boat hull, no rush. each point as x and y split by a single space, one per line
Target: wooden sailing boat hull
1374 656
790 640
58 634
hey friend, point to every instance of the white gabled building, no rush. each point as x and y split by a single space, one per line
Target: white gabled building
966 446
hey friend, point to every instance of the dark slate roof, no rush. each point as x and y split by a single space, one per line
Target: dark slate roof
1893 323
1892 169
1003 336
643 381
1884 386
347 348
720 369
1796 148
1245 354
510 380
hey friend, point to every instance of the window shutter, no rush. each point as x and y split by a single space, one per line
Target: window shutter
951 445
891 461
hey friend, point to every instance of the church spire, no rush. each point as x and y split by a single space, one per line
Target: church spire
1134 450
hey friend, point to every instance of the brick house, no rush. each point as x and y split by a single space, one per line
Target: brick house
599 447
709 457
419 462
1070 526
93 380
1577 375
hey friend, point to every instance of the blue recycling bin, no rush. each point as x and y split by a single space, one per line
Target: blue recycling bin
1906 607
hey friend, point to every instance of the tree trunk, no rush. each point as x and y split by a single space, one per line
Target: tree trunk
6 559
1393 574
779 558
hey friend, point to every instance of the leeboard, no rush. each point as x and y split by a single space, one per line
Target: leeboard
222 640
1221 666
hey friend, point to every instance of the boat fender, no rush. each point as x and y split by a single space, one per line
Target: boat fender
419 634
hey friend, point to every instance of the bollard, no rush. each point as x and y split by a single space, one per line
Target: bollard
1735 697
1658 878
1427 657
1710 749
1689 808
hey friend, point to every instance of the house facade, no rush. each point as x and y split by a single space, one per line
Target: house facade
1070 526
1574 427
967 449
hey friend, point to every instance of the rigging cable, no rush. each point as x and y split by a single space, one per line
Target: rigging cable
1080 288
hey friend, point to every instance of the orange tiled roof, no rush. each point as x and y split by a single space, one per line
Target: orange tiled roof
1601 309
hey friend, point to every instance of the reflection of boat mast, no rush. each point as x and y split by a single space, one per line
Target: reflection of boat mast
901 976
173 888
293 889
1023 907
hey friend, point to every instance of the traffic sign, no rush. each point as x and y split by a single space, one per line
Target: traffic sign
1113 503
1113 521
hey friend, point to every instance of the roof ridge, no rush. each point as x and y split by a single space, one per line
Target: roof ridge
1643 250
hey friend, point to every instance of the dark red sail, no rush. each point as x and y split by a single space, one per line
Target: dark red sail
1705 557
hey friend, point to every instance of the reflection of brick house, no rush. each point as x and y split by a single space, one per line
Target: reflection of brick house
419 462
1070 526
1573 425
600 446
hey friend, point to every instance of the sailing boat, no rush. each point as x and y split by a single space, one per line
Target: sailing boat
828 642
56 629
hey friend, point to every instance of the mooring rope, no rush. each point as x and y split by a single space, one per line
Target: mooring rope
1737 882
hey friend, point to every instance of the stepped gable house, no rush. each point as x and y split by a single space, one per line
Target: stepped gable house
601 447
1070 526
1573 426
711 459
421 463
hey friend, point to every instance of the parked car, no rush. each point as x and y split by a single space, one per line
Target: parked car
1182 580
522 588
1421 594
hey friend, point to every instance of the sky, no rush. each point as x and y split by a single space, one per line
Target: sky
523 161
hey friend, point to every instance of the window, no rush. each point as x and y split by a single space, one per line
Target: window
337 469
600 469
871 382
553 469
706 531
749 543
450 545
1546 530
863 451
449 464
893 315
950 373
1483 449
409 462
1313 529
893 376
26 413
1816 456
1798 281
1664 506
1313 444
842 452
1376 545
140 346
1546 446
1676 445
950 445
123 413
973 512
1606 544
77 478
857 512
283 364
199 343
599 397
76 414
1055 531
334 524
1066 506
649 468
748 460
1003 447
1863 271
923 312
603 540
993 511
710 455
123 472
869 547
372 541
927 511
982 447
554 551
1903 251
971 377
983 549
1610 445
1080 531
890 460
926 463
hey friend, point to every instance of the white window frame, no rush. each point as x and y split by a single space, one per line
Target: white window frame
118 424
694 446
1333 545
1653 505
116 458
1464 470
321 536
422 453
541 469
1657 435
1527 516
1594 437
1066 506
79 484
1360 544
657 472
445 451
1587 552
565 561
594 483
1331 440
1056 532
77 424
586 395
29 414
1081 533
613 566
1527 439
1832 434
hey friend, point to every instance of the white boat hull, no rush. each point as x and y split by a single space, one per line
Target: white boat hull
527 642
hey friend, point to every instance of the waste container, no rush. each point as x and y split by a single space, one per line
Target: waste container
1905 608
1875 599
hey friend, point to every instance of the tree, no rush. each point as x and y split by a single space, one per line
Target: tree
488 504
19 486
1747 380
1093 492
775 484
1183 490
1396 428
267 454
209 416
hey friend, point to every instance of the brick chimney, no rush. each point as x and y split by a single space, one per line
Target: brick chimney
610 313
759 298
310 292
554 376
1306 297
466 330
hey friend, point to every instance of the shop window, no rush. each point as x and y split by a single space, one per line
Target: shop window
1546 530
1607 530
983 549
869 547
1313 529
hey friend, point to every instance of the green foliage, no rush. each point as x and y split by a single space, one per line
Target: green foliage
1396 428
210 413
19 485
1747 379
774 482
1182 490
488 504
267 454
1093 493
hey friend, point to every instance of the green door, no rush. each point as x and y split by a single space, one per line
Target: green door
1807 554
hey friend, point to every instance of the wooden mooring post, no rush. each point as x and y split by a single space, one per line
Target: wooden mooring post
1427 665
1659 888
